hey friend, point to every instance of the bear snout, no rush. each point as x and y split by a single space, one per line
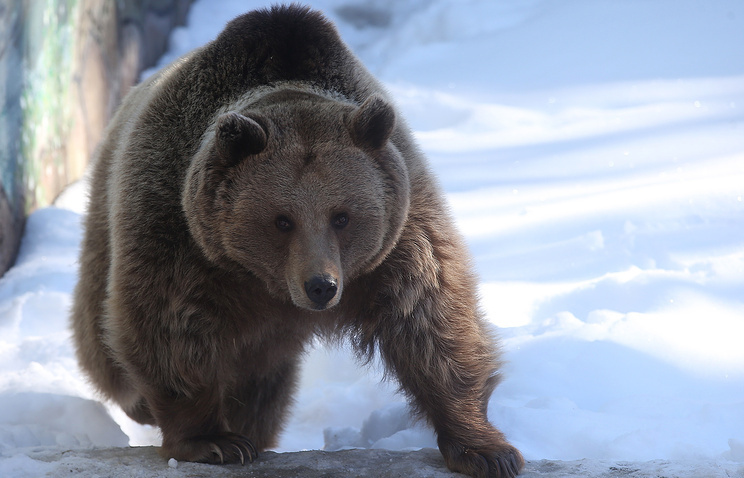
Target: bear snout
320 289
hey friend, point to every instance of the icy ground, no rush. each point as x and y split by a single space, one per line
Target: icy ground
593 154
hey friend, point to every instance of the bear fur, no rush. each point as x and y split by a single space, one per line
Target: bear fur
259 192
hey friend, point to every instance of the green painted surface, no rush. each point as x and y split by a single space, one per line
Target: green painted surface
45 101
62 74
11 88
36 49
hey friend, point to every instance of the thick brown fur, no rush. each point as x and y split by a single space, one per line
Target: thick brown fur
258 192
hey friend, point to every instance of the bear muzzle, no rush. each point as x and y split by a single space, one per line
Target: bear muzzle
320 289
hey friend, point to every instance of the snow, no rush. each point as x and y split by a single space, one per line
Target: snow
592 152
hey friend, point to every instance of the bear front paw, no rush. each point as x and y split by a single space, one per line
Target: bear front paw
216 449
495 461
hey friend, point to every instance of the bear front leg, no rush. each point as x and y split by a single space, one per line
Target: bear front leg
193 430
448 368
177 367
257 405
433 338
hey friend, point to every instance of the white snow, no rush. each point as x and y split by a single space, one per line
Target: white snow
593 155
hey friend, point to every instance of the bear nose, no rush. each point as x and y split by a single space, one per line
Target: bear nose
320 289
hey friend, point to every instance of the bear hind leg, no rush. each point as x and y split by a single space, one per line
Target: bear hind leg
138 410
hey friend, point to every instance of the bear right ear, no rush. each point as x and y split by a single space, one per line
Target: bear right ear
238 136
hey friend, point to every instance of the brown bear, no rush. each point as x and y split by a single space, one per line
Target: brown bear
259 192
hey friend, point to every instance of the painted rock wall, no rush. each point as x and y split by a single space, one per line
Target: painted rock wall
64 67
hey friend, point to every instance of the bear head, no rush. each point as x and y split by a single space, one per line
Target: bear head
304 191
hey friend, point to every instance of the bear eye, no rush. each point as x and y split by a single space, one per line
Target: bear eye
283 223
341 220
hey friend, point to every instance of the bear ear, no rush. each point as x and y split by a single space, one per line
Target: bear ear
372 123
238 136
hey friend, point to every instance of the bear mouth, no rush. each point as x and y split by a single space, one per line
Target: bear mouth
313 307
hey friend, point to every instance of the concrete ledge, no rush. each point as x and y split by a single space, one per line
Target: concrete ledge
145 461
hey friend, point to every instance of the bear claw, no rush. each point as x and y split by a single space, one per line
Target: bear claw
500 461
503 465
217 449
218 452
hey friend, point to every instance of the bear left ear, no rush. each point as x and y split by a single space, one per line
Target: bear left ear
372 123
238 136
